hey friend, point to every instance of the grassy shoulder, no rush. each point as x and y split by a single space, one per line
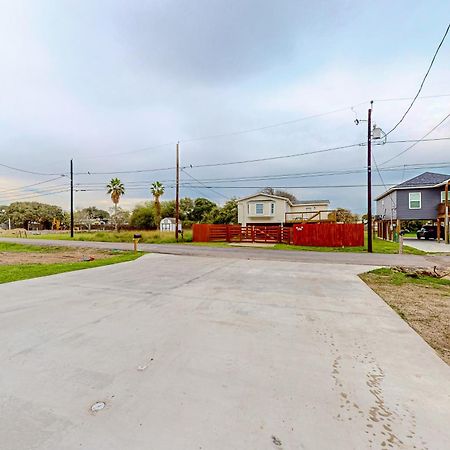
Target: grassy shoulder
17 272
423 302
379 246
157 237
24 248
148 237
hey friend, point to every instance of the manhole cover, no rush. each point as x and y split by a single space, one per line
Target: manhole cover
97 406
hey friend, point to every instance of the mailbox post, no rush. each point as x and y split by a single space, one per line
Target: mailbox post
136 239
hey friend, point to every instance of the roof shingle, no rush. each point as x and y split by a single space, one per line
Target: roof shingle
424 179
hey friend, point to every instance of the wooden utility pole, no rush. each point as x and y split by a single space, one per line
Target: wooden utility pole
177 193
369 179
71 198
446 213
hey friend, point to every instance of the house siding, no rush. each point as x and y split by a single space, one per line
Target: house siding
246 217
387 207
247 210
431 198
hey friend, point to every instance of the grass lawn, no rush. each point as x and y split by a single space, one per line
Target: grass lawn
10 270
24 248
156 237
423 302
148 237
379 246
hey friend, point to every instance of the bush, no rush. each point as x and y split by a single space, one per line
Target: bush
144 217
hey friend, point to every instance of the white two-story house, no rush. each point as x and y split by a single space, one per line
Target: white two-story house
267 209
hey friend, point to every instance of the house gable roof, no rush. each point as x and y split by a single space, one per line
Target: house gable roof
264 195
298 203
312 202
424 180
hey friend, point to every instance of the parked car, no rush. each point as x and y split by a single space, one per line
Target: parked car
429 232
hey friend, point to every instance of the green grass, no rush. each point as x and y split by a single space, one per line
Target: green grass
379 246
399 278
17 272
148 237
155 237
26 248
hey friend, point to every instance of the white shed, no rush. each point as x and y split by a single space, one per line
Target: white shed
168 224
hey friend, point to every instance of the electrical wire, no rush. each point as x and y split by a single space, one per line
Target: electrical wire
414 166
418 141
32 172
261 128
38 195
29 185
422 83
200 182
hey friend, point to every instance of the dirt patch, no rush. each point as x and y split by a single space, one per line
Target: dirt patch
426 307
62 256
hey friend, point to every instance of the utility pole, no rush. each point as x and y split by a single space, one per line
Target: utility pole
177 193
446 214
369 179
71 198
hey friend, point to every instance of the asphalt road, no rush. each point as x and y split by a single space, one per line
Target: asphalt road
190 353
373 259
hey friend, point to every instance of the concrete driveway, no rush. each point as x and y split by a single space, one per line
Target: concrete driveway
191 353
430 246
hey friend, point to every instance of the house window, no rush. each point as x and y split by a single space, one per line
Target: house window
259 208
308 208
272 208
415 200
248 208
443 196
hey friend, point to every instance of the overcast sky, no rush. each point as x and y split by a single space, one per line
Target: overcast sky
114 84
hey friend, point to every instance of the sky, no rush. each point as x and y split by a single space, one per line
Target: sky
114 85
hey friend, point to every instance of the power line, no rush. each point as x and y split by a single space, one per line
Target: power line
32 172
418 141
143 184
37 195
330 186
422 83
272 158
29 185
260 128
200 182
192 166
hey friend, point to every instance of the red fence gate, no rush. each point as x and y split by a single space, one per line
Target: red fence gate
329 234
204 232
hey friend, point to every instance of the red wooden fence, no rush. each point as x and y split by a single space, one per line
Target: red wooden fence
204 232
309 234
329 234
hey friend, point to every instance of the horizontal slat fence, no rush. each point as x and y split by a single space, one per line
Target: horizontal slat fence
203 232
329 234
307 234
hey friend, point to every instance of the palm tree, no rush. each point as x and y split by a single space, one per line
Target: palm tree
116 189
157 190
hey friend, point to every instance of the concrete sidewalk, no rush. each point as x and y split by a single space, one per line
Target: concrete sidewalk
374 259
192 353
